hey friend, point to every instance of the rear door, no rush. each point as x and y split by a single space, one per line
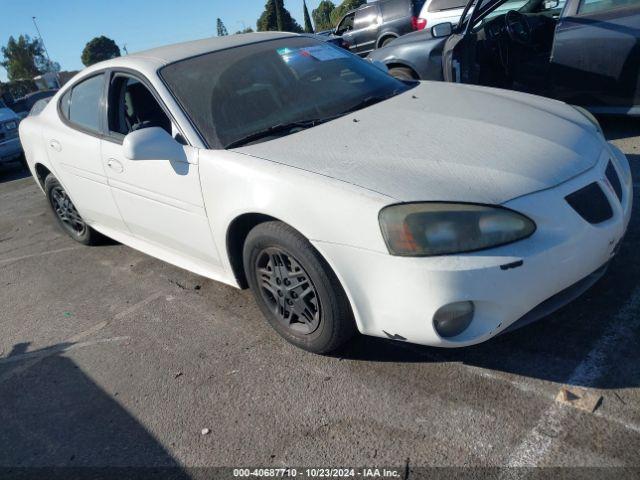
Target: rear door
596 54
365 28
73 145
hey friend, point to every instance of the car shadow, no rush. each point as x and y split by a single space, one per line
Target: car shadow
13 171
600 331
618 127
52 414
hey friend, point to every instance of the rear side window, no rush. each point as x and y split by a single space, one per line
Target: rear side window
594 6
81 104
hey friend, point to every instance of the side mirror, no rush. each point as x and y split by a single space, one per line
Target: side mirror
152 143
442 30
380 66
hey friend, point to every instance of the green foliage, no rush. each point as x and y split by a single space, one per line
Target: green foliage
15 89
341 10
222 30
24 58
308 26
99 49
277 18
322 15
245 30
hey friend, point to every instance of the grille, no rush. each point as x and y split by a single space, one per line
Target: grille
591 204
614 180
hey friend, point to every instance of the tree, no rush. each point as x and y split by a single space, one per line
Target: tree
24 58
99 49
277 18
322 15
342 9
308 26
222 30
245 30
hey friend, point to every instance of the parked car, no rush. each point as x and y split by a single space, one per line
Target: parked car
439 11
375 24
10 148
450 11
22 106
431 213
582 52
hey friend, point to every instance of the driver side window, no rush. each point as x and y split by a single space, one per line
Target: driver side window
346 25
133 107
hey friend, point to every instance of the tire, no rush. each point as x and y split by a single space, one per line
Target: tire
403 73
66 214
313 311
386 42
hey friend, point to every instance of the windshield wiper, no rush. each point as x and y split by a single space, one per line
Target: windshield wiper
368 101
273 130
304 124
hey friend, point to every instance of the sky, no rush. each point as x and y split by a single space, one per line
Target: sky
67 25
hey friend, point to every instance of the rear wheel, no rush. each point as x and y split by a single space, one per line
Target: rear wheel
67 215
386 41
296 290
403 73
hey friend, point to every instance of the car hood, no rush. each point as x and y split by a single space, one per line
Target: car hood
7 114
447 142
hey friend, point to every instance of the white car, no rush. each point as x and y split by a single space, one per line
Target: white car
432 213
434 12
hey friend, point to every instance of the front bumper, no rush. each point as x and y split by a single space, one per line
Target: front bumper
10 150
397 297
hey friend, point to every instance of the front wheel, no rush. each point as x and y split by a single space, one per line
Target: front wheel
296 290
66 214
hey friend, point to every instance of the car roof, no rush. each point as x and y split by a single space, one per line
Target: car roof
148 62
180 51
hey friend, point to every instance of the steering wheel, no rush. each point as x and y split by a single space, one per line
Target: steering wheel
518 27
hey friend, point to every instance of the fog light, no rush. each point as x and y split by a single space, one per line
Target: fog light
453 319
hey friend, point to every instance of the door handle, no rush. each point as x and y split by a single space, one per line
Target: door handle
115 165
55 145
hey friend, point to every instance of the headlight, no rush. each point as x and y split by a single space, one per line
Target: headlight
589 116
427 229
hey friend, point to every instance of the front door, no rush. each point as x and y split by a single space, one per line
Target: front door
160 200
596 55
345 30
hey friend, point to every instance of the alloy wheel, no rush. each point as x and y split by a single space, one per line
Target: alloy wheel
288 290
66 212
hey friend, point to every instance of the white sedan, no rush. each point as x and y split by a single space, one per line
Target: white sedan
432 213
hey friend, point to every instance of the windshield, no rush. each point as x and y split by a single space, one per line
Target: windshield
235 94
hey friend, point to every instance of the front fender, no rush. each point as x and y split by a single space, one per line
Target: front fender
321 208
422 55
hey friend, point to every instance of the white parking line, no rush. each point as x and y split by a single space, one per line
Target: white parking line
540 440
41 254
139 305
